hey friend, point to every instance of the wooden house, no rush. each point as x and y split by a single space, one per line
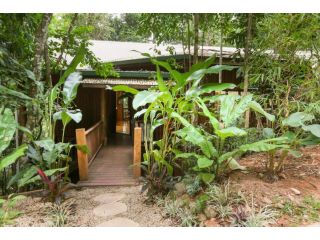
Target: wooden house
107 127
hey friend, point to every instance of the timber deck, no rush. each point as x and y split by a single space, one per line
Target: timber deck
113 164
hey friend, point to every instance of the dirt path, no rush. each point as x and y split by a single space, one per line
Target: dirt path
100 206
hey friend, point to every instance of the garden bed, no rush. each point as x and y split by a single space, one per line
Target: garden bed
295 198
299 182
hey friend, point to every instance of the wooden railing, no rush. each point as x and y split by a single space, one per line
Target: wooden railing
137 139
93 138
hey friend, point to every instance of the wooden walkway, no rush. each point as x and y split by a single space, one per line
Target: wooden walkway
113 164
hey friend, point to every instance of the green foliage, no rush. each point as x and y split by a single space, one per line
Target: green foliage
172 106
7 212
12 157
262 217
193 184
290 141
283 63
60 213
7 128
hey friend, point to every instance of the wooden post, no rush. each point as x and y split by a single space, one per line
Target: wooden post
82 157
103 116
137 152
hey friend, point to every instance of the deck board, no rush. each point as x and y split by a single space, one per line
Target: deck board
113 164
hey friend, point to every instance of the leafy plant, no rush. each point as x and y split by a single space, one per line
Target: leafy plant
48 159
193 184
252 218
7 213
171 208
187 219
60 213
158 106
210 154
292 140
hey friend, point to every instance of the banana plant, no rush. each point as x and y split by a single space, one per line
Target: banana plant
303 135
210 156
48 153
158 106
8 127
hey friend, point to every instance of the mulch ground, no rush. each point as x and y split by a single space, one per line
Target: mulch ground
300 179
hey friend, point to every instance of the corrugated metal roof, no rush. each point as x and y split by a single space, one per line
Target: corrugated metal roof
114 51
104 83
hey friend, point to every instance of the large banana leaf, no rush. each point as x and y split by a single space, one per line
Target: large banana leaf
214 122
70 87
193 135
202 161
13 157
199 74
47 144
161 84
73 65
210 87
67 115
124 88
257 108
195 91
144 97
7 128
314 129
202 64
227 107
297 119
261 146
230 132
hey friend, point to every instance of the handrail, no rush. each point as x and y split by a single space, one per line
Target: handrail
137 151
93 127
93 138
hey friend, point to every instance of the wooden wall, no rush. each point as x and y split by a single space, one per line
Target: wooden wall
89 102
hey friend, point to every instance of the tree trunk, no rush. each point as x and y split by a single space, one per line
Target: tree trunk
47 65
196 38
221 48
246 64
40 40
65 40
189 45
202 43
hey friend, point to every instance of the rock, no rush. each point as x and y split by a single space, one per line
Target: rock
295 191
180 188
119 222
210 212
201 217
109 197
212 223
110 209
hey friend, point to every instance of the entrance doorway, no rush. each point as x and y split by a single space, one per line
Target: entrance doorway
123 113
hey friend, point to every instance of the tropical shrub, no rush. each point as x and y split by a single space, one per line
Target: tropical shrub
296 134
175 105
46 156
